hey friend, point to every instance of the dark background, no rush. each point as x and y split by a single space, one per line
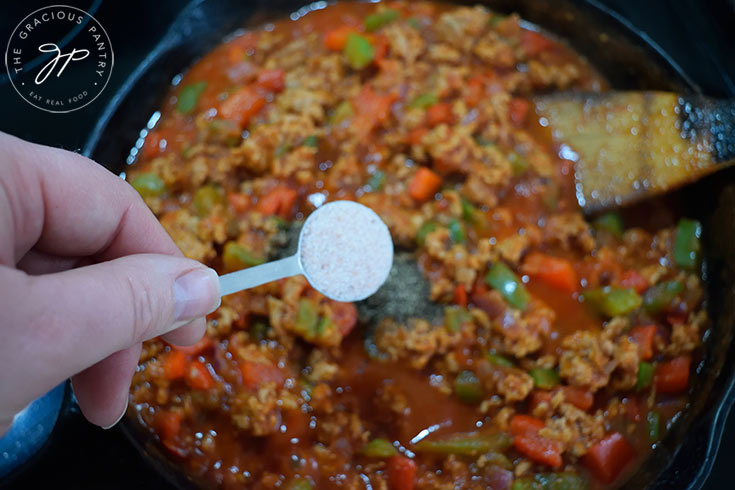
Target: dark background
82 456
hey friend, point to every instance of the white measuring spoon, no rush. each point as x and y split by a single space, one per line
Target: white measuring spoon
345 252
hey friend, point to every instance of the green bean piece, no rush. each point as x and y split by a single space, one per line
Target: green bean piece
468 388
645 375
658 298
206 198
611 223
189 96
423 101
687 246
508 285
544 378
148 185
424 230
379 448
414 22
358 51
236 257
613 301
467 444
654 426
456 231
499 360
379 19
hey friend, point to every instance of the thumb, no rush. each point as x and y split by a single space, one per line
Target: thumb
62 323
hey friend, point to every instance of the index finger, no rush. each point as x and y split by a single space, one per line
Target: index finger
67 205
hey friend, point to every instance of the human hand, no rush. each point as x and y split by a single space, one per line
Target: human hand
86 274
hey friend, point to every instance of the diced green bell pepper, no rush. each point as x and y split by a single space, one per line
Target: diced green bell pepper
499 360
654 426
311 141
189 96
559 481
467 387
544 378
236 257
423 101
611 223
613 301
424 231
518 164
379 448
307 317
687 246
206 198
148 185
454 317
379 19
645 375
657 298
468 210
468 444
377 180
358 51
343 111
500 277
300 484
456 231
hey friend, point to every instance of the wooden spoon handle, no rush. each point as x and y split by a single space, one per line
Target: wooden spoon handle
710 121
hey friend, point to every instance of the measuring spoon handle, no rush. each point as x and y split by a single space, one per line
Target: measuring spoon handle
260 274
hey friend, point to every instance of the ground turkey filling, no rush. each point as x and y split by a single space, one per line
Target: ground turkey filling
516 345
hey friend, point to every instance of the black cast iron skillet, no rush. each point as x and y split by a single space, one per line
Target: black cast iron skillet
628 59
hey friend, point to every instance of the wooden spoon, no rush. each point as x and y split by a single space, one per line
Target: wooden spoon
631 145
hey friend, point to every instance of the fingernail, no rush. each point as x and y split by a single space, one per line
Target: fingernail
196 294
125 409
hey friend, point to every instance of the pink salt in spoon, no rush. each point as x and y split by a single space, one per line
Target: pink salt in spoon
345 252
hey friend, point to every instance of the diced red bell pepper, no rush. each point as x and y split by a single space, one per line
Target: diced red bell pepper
439 113
401 473
518 109
198 377
273 80
608 457
673 376
424 184
579 397
460 295
279 200
168 424
525 424
534 43
193 350
336 39
539 449
556 272
344 315
631 279
644 337
241 106
174 365
256 373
